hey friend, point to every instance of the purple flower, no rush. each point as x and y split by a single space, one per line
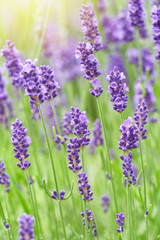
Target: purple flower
5 104
105 202
97 89
127 169
156 29
120 222
54 195
84 187
21 143
61 195
101 6
129 137
140 117
13 62
123 31
4 179
32 84
117 88
90 27
73 156
66 123
89 217
146 58
6 225
136 14
89 63
97 134
26 227
48 86
116 60
148 96
80 124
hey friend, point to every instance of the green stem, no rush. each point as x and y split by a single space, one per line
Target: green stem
32 203
95 220
86 222
107 153
44 29
56 118
53 169
129 210
4 218
144 186
83 168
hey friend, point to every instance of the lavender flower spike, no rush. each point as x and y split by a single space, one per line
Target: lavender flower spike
127 169
120 222
84 187
89 217
140 117
73 156
105 202
129 136
156 29
26 227
4 179
137 16
61 195
90 27
117 88
97 134
21 143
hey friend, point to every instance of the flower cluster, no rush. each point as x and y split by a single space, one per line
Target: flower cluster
73 156
148 96
146 58
61 195
117 88
127 169
26 227
140 117
120 222
84 187
13 62
80 123
89 217
137 16
123 31
39 84
129 138
5 104
4 179
105 202
97 134
48 86
156 29
89 63
116 60
85 50
21 143
90 27
66 123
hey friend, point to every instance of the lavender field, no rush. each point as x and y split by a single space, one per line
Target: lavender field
79 120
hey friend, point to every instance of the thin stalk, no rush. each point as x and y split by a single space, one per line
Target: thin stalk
44 29
122 120
144 186
129 210
56 118
83 168
66 172
8 231
107 153
53 169
95 220
86 222
32 203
